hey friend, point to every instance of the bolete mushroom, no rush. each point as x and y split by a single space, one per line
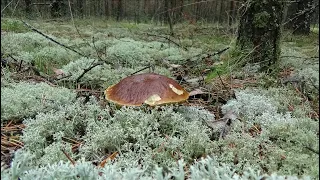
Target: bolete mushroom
149 88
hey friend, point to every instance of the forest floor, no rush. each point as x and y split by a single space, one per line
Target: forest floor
201 57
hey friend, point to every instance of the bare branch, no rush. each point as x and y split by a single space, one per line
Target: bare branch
168 40
69 158
88 69
46 36
6 6
307 10
312 150
142 69
216 53
299 57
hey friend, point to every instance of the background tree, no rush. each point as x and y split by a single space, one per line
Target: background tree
168 16
119 10
232 12
259 31
28 7
80 8
223 12
302 17
58 8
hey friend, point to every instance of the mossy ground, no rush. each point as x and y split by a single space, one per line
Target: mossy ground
81 121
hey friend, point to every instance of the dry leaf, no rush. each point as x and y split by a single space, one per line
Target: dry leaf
58 71
196 92
175 65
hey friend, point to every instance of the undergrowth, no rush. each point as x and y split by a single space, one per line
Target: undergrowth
273 137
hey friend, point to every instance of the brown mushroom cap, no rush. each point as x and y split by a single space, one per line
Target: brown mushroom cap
149 88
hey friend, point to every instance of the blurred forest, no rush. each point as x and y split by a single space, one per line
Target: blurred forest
298 13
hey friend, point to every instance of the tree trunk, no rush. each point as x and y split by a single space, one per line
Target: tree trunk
107 9
222 14
80 8
259 31
119 10
180 10
146 10
168 18
231 12
217 11
137 12
56 8
302 19
28 8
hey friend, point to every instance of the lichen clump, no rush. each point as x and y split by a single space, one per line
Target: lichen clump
20 100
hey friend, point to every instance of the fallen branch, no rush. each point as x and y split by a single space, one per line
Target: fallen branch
300 57
96 49
223 83
88 69
111 157
67 155
150 66
312 150
168 40
215 53
315 87
208 55
46 36
85 70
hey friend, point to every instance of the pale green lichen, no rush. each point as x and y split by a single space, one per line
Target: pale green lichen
23 99
208 168
282 138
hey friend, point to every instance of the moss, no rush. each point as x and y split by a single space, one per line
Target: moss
261 19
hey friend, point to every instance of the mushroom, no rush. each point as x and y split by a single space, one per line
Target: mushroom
149 88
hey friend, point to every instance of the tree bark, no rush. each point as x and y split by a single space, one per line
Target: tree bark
28 8
80 8
217 11
56 8
168 17
181 2
146 10
107 8
119 10
231 12
260 30
137 12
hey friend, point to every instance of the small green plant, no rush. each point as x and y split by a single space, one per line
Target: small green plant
218 70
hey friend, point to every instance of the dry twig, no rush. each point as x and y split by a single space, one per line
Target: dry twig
111 157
